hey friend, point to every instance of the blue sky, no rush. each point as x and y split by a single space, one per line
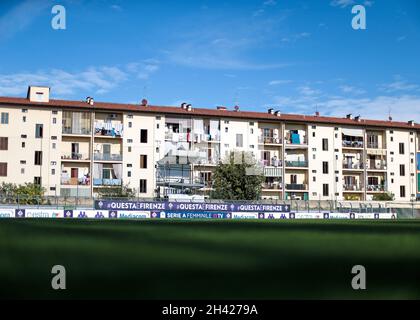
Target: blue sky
295 56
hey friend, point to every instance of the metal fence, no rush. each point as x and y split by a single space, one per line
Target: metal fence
404 209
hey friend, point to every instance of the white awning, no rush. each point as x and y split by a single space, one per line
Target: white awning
352 132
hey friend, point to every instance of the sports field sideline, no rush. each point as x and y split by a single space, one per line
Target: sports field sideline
195 259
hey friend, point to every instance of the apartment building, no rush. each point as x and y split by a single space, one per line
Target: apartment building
80 148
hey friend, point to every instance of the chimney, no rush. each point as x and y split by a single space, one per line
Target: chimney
183 105
236 108
38 94
411 123
144 103
89 100
357 118
188 107
271 111
278 113
317 114
390 118
221 108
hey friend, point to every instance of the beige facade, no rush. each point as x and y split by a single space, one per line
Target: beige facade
74 148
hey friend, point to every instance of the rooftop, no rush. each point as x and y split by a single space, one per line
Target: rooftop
262 116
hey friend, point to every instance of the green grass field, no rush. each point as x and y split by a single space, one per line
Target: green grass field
161 259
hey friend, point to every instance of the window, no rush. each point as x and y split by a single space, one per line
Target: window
314 179
402 170
129 149
24 119
54 120
54 145
22 170
53 163
23 136
239 140
22 161
401 148
325 144
38 158
4 143
3 169
55 112
157 126
226 129
325 167
39 130
392 139
293 179
313 134
143 161
252 131
130 124
4 118
52 188
143 136
129 165
37 181
24 110
325 191
23 144
52 172
129 140
143 186
53 137
402 191
129 174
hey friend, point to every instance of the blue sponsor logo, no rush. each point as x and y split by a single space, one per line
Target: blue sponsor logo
113 214
99 215
68 213
20 213
82 215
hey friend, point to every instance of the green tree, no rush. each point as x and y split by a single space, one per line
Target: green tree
123 191
388 196
237 178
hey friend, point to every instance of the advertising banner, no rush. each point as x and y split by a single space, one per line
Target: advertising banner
188 206
7 213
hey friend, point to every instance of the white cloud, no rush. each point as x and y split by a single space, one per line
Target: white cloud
403 108
270 3
116 7
295 37
342 3
308 91
95 80
399 84
351 90
279 82
21 16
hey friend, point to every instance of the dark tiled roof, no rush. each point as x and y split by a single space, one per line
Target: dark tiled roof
249 115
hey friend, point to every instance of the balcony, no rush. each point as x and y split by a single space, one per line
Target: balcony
272 172
107 182
297 164
377 166
109 129
353 166
269 140
271 163
352 187
296 186
75 156
375 188
297 140
177 137
75 181
107 157
76 131
352 143
272 186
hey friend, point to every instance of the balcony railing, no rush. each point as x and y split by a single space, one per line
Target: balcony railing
81 131
377 166
375 188
273 172
75 156
352 187
107 157
352 144
297 164
272 185
353 165
373 145
269 140
107 182
271 163
75 181
298 140
296 186
108 129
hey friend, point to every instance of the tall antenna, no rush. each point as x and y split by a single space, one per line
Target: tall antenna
389 114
